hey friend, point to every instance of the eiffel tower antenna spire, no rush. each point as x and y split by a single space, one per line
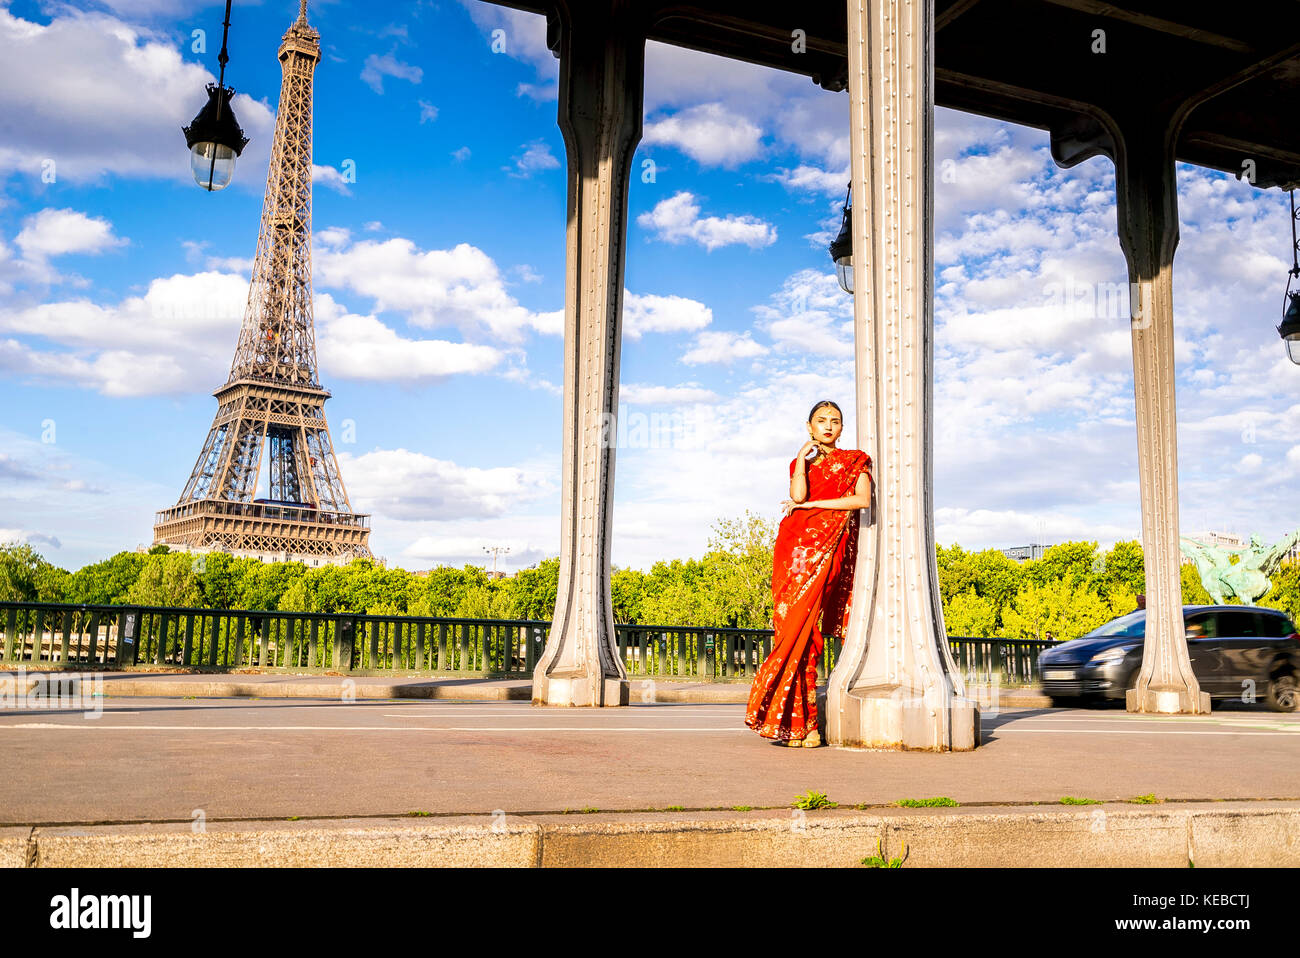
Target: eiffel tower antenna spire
272 407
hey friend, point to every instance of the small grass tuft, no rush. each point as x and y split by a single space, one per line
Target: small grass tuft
813 800
742 808
588 810
416 814
1148 799
674 808
939 800
878 860
1071 800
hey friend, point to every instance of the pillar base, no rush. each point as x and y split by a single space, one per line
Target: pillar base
1167 701
895 717
576 691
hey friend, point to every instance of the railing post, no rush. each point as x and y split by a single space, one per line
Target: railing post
67 635
160 653
128 635
344 638
11 633
260 624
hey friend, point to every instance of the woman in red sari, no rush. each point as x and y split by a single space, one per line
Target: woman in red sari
812 577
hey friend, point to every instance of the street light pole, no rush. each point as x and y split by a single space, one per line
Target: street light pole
494 550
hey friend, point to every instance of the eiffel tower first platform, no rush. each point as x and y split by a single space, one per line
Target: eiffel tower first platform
272 407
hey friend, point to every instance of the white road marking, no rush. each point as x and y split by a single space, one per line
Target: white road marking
372 728
1136 731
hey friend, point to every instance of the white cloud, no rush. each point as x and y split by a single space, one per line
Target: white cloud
377 67
362 347
54 232
459 287
648 313
330 177
428 112
94 95
809 314
646 394
536 156
708 133
402 484
461 154
813 179
677 220
182 331
722 346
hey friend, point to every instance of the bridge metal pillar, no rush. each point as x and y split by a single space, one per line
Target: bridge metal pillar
602 53
895 684
1147 195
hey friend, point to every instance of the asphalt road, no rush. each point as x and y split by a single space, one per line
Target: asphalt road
170 760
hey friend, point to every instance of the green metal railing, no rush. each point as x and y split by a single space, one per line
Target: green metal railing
59 636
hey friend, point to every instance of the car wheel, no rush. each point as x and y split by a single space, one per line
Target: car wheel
1284 693
1064 701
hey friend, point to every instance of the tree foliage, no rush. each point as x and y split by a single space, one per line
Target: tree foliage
1073 588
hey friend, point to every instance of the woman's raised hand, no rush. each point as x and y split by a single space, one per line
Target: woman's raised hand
807 447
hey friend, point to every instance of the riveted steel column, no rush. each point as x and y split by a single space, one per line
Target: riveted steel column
1147 202
602 51
895 684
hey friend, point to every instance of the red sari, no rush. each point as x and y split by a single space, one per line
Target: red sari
812 578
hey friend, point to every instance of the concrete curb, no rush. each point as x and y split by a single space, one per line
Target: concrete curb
333 689
267 685
1208 834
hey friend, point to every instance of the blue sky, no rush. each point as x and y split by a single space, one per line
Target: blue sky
439 289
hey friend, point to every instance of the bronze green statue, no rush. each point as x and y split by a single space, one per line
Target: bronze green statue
1248 577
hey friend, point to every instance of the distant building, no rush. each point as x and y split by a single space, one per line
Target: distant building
1023 553
1219 540
1235 543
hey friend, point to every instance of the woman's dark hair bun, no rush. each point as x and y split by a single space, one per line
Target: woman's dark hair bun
824 402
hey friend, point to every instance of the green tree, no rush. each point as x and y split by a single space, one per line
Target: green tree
19 566
674 594
441 592
168 580
534 590
1193 591
627 589
1124 571
738 573
1055 610
970 614
486 601
1074 563
106 582
957 572
1285 593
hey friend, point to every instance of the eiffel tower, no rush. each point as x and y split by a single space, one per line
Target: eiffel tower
272 406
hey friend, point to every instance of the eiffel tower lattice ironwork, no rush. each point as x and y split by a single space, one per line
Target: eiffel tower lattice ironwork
272 406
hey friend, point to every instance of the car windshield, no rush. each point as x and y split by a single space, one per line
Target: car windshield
1135 623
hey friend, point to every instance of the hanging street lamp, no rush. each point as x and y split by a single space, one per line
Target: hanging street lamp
842 248
214 136
1290 328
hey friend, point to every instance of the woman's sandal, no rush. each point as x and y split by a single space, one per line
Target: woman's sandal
812 741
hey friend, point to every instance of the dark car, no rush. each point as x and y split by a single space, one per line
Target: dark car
1237 652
